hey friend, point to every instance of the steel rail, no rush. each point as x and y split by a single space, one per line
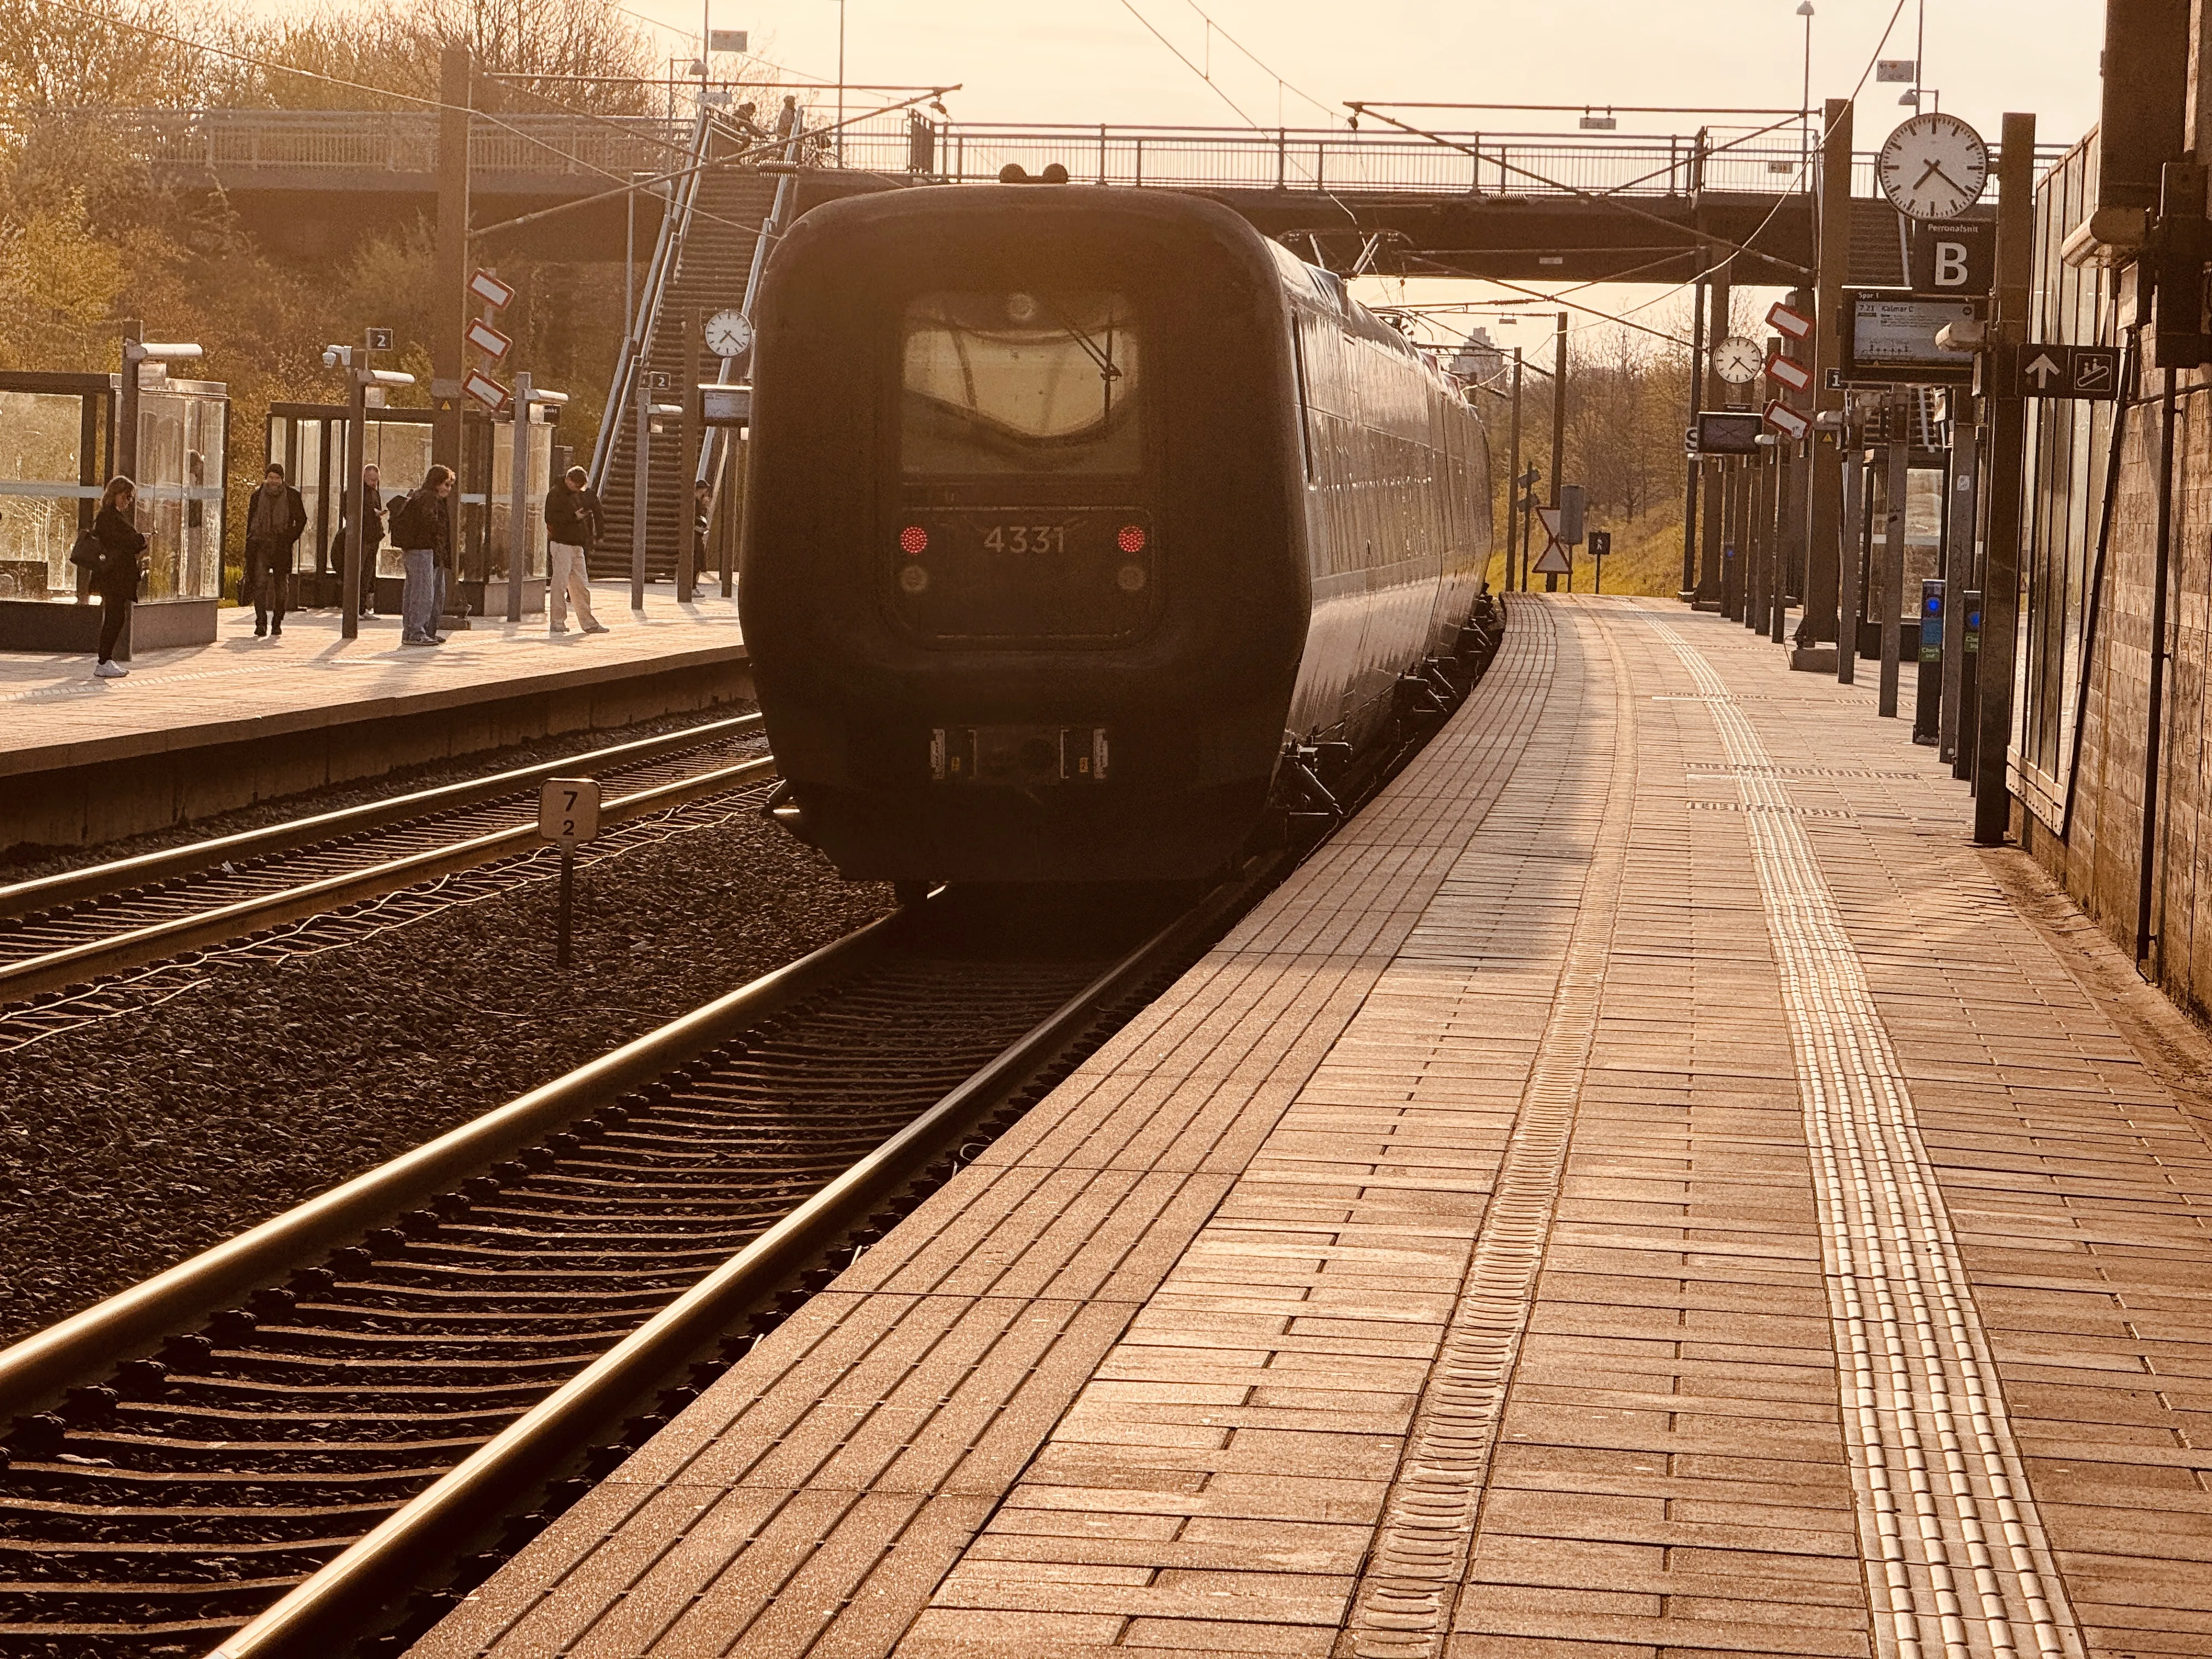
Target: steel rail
120 875
88 1343
337 1600
161 939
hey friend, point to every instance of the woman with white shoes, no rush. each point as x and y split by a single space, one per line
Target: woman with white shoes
572 525
114 553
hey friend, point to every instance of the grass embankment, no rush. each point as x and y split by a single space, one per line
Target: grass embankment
1646 558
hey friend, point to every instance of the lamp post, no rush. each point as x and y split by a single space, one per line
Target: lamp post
840 83
136 351
1805 101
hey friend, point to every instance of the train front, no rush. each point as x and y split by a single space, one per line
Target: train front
1021 577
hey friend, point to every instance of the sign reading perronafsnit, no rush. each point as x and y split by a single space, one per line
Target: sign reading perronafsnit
1890 339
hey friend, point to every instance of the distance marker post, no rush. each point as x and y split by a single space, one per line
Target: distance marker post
568 812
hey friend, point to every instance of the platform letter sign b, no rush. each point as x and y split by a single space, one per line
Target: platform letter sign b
1952 258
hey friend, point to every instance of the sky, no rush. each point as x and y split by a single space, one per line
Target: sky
1089 61
1094 60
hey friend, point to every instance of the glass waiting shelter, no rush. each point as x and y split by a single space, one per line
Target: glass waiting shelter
310 440
56 451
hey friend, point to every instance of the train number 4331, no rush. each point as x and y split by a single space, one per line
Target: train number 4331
1026 538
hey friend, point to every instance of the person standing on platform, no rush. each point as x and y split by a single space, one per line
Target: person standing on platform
572 528
274 520
113 555
372 536
703 524
421 525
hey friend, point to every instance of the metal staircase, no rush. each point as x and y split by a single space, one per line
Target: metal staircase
713 240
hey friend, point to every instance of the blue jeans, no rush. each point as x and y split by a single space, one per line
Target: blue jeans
419 597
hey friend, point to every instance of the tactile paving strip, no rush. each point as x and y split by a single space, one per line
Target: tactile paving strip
1402 1607
1956 1557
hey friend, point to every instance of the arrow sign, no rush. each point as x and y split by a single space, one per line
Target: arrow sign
2090 372
1788 371
488 340
1786 319
489 288
1786 420
486 391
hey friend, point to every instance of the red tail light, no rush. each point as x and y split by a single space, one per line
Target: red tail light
1131 539
914 539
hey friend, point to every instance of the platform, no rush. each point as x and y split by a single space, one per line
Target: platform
1648 1187
198 730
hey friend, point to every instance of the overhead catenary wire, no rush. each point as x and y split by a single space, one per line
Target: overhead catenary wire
1326 109
1129 6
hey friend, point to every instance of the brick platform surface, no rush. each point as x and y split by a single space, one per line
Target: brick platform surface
54 713
1647 1188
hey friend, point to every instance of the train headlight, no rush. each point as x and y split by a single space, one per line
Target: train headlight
1022 307
914 579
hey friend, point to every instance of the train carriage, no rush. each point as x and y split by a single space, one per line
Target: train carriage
1071 508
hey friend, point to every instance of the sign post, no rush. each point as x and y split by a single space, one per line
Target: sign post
568 812
1600 544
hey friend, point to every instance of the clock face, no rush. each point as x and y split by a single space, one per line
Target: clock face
1933 166
729 334
1738 360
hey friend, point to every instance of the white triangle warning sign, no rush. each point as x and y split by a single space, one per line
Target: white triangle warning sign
1553 562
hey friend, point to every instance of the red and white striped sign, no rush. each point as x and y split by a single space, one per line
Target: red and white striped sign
488 340
1788 371
1787 421
485 390
1785 319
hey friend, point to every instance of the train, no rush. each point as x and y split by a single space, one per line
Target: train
1088 531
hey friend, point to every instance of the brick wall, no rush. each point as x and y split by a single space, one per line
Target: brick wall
2099 860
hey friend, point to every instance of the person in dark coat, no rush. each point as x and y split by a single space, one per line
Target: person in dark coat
422 528
275 518
115 558
572 526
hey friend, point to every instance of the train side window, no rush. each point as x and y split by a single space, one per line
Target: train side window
1305 398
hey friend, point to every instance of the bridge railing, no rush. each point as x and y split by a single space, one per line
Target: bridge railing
1324 159
243 141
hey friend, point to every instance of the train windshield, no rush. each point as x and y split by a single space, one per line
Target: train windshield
1037 381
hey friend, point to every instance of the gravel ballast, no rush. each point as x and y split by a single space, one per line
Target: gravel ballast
129 1145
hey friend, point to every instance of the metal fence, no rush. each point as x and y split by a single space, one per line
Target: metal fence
1326 159
1776 161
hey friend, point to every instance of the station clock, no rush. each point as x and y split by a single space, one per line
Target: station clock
729 333
1933 166
1738 360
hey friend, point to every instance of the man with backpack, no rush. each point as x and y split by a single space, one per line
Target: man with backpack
422 527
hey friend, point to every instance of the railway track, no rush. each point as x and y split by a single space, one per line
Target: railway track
311 1440
60 934
444 1343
